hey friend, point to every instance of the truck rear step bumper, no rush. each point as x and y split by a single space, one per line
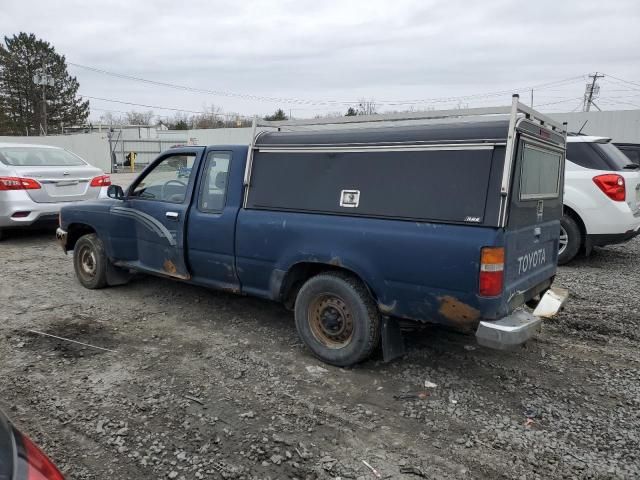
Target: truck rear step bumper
520 326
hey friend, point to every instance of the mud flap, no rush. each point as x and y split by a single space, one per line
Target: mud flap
392 339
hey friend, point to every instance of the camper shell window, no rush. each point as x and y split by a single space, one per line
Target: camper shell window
540 173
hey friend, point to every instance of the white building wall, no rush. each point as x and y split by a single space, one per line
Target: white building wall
213 136
621 125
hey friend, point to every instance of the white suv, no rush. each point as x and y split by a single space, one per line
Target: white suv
601 197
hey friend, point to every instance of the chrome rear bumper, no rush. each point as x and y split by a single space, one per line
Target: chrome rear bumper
520 326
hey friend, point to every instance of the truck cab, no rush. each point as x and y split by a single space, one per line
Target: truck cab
361 231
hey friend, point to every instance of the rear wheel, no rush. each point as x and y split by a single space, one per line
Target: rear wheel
570 240
90 261
337 319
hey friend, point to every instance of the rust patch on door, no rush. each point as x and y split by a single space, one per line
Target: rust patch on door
458 313
169 267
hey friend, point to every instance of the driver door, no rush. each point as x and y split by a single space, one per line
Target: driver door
156 208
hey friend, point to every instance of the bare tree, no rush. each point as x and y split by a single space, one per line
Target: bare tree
367 107
139 118
108 118
212 117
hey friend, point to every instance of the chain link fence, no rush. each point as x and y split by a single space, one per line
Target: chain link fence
134 155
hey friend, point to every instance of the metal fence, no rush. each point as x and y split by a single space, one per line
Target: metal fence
134 155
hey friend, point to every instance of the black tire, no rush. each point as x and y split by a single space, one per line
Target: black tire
573 240
337 319
1 234
90 262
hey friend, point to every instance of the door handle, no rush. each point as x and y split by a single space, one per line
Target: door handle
171 215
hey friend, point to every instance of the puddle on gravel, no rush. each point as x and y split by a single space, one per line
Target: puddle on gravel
79 329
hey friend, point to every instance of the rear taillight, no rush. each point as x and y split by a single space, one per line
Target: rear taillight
18 183
37 465
612 185
101 181
491 271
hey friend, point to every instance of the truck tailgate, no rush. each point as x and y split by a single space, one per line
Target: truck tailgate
531 256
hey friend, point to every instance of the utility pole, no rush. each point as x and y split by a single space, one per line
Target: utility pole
592 90
42 78
44 103
532 98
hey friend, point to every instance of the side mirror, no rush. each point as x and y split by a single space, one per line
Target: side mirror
115 191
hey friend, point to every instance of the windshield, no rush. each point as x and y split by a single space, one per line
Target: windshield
39 157
614 156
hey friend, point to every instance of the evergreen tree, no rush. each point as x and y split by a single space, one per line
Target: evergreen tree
278 115
21 58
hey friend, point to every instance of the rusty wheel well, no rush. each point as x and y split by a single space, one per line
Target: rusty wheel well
75 231
299 273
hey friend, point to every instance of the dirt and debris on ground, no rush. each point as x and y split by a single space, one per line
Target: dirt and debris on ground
204 384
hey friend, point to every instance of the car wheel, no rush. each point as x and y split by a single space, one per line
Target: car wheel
1 234
570 240
90 261
337 319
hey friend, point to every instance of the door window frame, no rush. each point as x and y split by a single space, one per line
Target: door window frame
202 186
197 152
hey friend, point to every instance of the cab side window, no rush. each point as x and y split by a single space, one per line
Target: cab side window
168 180
214 182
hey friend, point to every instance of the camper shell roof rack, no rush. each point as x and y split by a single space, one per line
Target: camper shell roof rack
516 106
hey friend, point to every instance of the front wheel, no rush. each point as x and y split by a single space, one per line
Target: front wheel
337 319
570 240
90 261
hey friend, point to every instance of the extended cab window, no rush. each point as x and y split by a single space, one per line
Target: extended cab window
168 180
540 173
214 182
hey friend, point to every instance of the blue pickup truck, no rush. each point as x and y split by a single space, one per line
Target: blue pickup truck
363 232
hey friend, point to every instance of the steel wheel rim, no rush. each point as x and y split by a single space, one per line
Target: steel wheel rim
563 241
88 262
330 321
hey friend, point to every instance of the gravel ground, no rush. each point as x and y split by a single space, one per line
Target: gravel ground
201 384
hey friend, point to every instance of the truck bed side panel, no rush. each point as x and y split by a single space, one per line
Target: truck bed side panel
416 270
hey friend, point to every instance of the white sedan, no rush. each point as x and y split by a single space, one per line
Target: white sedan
37 180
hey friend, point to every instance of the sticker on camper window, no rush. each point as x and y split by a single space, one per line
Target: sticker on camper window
350 198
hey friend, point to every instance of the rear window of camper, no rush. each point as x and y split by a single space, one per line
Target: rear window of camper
540 173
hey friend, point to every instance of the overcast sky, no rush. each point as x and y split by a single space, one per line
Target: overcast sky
318 55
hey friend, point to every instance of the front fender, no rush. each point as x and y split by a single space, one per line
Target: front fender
86 217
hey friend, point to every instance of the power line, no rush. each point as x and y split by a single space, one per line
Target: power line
149 106
619 102
202 90
623 81
293 100
558 102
